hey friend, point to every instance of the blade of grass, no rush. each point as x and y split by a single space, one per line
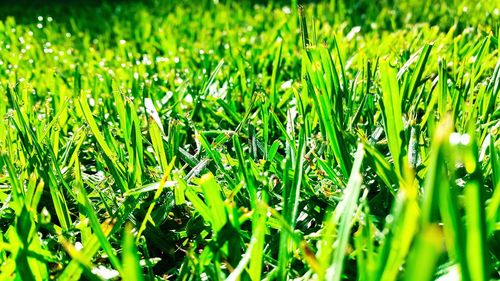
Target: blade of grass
158 192
130 259
391 111
338 226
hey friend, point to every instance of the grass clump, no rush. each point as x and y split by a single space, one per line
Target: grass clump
239 141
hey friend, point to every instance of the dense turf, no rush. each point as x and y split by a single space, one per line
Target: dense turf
346 140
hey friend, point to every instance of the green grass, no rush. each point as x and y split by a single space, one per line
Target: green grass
207 141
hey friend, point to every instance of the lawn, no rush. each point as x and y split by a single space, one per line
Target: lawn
250 140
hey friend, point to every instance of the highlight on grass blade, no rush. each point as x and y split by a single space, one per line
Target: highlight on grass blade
338 224
130 259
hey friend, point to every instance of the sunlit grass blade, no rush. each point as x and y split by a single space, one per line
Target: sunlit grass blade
365 248
252 191
493 89
118 170
475 214
321 95
338 226
428 247
157 140
410 89
45 164
254 254
130 259
382 168
401 226
493 208
158 193
442 96
93 126
257 254
215 204
77 266
84 200
391 111
291 194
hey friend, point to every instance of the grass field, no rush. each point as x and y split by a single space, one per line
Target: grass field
198 140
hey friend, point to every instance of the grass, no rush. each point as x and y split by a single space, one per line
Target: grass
341 140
